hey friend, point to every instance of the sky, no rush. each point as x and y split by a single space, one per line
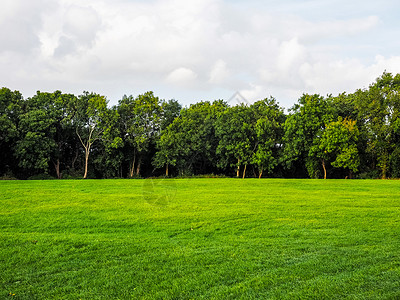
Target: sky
198 50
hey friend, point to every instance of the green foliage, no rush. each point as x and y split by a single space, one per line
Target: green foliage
303 129
379 107
43 176
189 142
10 108
336 136
395 163
269 118
141 124
234 129
200 239
36 142
338 145
11 105
167 153
92 120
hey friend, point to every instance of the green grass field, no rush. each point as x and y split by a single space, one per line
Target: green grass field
200 239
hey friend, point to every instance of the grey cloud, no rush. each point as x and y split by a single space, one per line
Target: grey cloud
66 46
80 26
24 41
82 23
20 23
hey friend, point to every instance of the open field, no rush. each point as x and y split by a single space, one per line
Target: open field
200 239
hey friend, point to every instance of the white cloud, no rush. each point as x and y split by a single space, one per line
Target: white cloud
219 72
340 76
290 54
183 77
202 49
254 93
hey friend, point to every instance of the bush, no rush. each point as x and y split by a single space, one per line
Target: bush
374 174
72 174
41 177
202 176
395 163
8 176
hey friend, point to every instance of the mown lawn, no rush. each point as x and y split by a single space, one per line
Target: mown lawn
200 239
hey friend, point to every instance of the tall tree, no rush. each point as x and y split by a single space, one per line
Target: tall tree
338 146
378 107
141 120
89 118
237 139
11 105
303 129
166 154
269 118
109 155
170 110
57 108
36 138
168 146
189 142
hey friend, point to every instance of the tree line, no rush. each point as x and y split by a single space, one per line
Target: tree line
66 136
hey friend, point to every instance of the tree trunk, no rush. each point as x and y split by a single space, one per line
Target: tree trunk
384 163
86 163
166 170
87 147
323 166
384 168
138 166
244 172
238 169
131 170
75 159
259 176
57 167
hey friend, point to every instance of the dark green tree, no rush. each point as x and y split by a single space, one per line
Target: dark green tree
11 106
338 146
378 109
269 118
36 136
141 123
303 129
189 142
237 138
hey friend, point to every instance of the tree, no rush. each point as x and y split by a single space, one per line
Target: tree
140 118
36 139
89 119
11 105
268 128
234 130
170 110
166 154
57 108
198 126
167 148
189 142
378 107
338 145
303 129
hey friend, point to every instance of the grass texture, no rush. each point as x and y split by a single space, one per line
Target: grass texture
200 239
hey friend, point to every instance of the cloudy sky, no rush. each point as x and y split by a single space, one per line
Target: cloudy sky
199 49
